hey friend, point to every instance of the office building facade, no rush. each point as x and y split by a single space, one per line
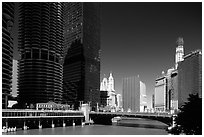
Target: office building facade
132 89
143 97
160 94
153 101
119 101
41 50
190 76
7 50
81 62
107 84
172 80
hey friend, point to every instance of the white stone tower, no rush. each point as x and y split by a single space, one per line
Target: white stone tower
104 84
179 51
111 83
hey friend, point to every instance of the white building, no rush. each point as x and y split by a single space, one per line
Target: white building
143 97
119 101
179 51
108 85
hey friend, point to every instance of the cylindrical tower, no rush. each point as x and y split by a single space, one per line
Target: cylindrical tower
41 50
7 50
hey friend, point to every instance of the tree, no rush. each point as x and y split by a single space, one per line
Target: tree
189 119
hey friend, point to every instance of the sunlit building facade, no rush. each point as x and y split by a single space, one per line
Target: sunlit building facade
41 50
133 94
143 97
160 94
107 84
81 68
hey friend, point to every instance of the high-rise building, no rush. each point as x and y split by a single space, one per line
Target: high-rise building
153 101
119 100
41 51
132 88
172 89
108 85
81 68
7 50
103 98
179 51
143 97
190 76
160 94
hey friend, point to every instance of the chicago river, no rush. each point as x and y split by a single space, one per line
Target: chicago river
91 130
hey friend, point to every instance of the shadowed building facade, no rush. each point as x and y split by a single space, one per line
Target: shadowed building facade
7 50
190 76
41 50
81 68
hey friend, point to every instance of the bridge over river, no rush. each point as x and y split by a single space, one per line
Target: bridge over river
105 117
24 118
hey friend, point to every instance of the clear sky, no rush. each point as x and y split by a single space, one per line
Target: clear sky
140 38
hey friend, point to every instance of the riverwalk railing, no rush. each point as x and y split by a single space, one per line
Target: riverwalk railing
31 113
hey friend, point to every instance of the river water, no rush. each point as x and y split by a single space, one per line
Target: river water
91 130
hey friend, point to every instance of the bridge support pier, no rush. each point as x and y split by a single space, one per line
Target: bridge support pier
53 125
73 123
173 120
24 125
39 126
6 123
64 124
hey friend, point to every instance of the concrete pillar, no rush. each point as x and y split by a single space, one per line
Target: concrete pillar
82 123
173 120
53 125
40 126
64 124
6 123
24 125
73 123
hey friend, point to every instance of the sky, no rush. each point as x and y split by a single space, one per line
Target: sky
140 38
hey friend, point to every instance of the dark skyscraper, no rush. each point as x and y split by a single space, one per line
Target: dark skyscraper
190 76
41 49
81 69
7 50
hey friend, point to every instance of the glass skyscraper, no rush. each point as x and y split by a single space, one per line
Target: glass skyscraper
41 52
81 68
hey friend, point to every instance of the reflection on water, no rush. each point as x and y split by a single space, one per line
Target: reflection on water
91 130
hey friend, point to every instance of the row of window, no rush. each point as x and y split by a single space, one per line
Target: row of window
35 54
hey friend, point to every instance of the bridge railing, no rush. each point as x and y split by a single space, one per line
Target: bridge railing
134 114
